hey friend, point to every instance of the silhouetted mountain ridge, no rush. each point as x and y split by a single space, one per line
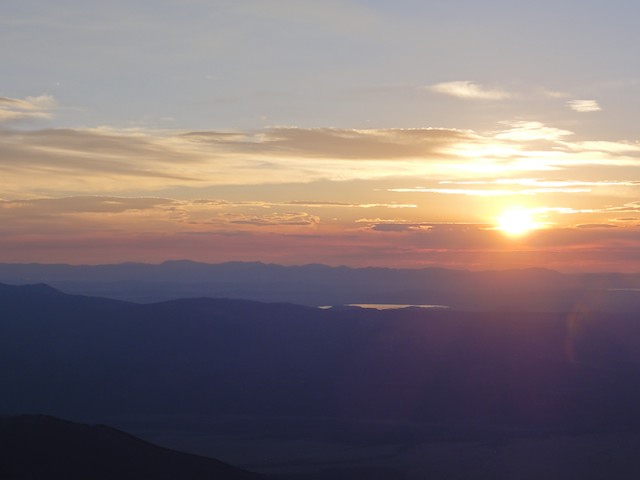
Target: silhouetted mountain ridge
42 447
38 288
533 289
76 356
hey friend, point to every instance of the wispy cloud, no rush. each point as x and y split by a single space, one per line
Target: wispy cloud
273 219
134 216
399 227
584 106
631 207
108 161
505 187
469 90
493 192
530 186
458 191
29 108
42 102
104 161
545 92
616 148
531 131
80 204
536 182
348 205
596 225
377 144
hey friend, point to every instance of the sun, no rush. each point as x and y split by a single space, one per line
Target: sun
516 221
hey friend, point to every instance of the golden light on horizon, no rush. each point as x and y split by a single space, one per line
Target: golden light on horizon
516 221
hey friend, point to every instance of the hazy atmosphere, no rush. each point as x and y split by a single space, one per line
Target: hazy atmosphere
319 240
407 134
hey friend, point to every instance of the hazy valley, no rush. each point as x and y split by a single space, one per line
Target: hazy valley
302 392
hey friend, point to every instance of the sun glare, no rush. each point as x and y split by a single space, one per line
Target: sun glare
516 221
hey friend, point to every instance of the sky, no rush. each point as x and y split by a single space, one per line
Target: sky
345 132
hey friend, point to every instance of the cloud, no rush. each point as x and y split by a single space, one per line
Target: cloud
457 191
584 106
42 102
552 93
29 108
80 204
66 161
273 219
631 207
375 144
136 215
53 217
399 227
300 203
531 131
536 182
596 225
616 148
437 235
495 188
104 161
443 237
380 220
56 162
349 205
469 90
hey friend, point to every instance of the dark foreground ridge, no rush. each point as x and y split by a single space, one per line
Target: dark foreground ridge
36 447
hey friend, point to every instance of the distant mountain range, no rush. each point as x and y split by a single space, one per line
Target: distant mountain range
466 384
37 447
76 356
313 285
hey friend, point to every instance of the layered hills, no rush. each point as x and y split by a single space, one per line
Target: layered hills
480 387
69 355
531 290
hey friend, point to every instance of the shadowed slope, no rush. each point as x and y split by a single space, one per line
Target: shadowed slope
39 447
